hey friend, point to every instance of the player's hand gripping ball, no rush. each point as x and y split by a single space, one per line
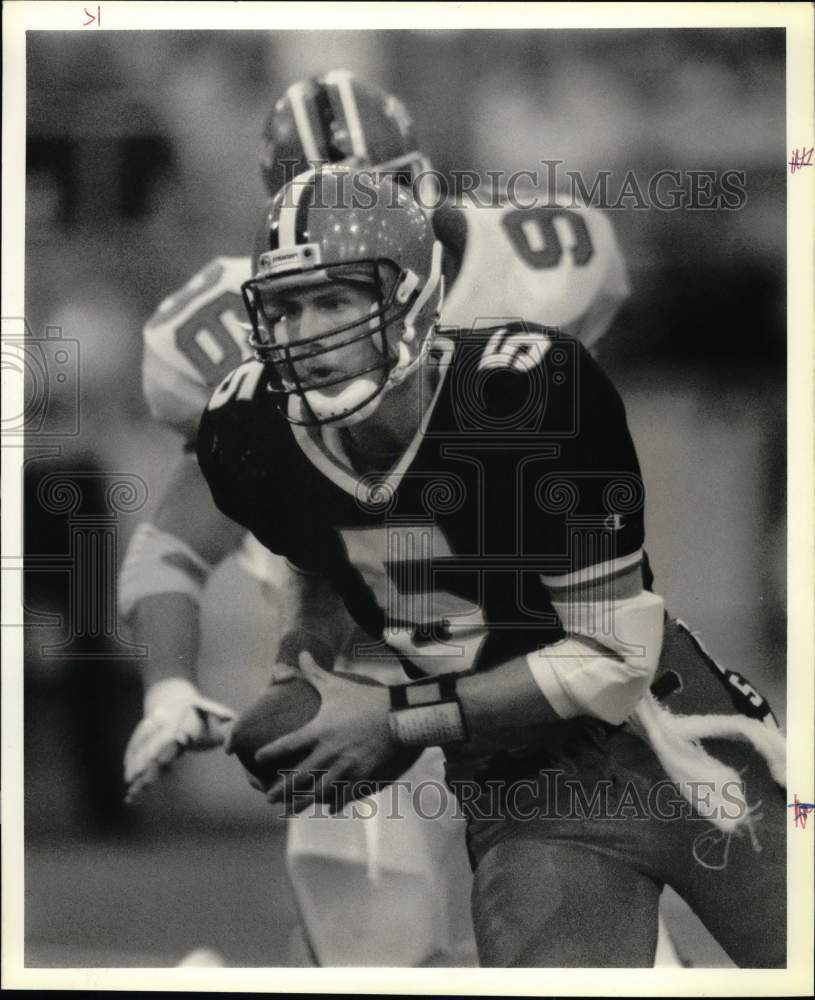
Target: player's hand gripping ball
287 705
344 736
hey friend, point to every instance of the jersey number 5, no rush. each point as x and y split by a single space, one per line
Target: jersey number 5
535 238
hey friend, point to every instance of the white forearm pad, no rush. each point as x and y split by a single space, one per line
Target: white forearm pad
159 563
631 627
581 677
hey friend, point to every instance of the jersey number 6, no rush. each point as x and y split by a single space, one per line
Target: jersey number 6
207 339
535 237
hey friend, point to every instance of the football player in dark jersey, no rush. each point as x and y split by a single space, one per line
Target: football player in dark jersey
197 336
561 263
597 751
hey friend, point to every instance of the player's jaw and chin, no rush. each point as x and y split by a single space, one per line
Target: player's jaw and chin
340 378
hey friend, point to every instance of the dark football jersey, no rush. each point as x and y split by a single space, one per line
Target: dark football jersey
523 471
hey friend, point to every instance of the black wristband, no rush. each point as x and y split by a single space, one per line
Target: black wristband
429 689
427 713
299 641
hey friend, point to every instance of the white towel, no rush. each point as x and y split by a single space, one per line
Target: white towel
675 741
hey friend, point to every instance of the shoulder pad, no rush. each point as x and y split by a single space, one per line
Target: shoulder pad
234 435
195 337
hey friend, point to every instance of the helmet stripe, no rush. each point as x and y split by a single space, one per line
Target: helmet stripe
301 120
344 82
294 206
273 227
306 200
324 108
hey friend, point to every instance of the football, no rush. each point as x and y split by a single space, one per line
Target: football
284 707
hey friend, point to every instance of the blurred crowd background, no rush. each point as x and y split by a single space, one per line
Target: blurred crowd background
142 165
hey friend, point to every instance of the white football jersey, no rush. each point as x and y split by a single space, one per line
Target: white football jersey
552 264
193 340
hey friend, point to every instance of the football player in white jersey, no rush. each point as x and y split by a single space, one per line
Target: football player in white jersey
563 264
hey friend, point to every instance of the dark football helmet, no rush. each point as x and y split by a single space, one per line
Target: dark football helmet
335 224
336 118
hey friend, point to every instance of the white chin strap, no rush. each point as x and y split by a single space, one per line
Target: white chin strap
336 408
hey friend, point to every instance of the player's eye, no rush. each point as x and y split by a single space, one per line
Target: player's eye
283 309
335 302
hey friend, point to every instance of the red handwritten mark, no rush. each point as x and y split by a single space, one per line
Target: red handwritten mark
801 158
800 811
92 17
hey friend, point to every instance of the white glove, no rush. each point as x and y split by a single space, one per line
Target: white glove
177 717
